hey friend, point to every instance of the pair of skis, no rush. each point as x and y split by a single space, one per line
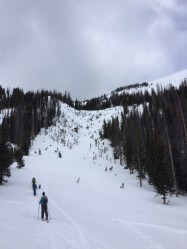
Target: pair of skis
44 219
47 221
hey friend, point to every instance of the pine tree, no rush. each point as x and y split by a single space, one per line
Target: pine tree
5 161
18 156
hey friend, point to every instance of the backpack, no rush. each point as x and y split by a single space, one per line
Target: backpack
44 200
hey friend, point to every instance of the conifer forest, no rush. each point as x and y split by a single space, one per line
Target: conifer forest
151 138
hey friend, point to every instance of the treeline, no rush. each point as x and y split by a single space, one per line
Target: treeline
115 99
151 139
132 86
22 117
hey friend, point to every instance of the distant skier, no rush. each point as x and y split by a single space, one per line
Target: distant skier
122 185
44 208
34 188
33 182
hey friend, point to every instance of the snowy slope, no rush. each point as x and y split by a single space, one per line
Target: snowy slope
174 79
94 213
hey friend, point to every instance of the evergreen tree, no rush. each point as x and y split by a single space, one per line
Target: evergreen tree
5 161
18 156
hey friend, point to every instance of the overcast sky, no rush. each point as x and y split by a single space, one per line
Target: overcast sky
90 47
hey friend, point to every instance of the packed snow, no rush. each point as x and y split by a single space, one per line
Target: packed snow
89 207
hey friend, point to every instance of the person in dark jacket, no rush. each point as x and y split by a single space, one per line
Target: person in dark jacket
34 188
44 208
33 182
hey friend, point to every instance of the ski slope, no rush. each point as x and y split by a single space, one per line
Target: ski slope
174 79
94 213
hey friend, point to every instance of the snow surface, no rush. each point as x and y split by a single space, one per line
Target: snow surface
174 79
94 213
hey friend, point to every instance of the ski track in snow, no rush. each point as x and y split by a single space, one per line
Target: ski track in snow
68 242
148 241
160 227
82 240
94 213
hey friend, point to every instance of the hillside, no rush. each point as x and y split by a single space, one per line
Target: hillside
94 213
174 79
132 94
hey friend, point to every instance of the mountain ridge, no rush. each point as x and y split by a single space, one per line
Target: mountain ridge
174 79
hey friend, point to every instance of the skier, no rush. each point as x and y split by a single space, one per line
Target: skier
34 188
33 182
44 208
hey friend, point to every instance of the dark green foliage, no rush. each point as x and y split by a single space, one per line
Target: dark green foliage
153 142
5 161
26 114
116 98
133 86
18 157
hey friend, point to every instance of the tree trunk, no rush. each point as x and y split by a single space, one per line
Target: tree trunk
164 198
140 170
171 158
182 115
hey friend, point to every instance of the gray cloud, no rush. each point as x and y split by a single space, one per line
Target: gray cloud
90 47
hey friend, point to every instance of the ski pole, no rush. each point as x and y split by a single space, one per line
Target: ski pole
49 213
38 211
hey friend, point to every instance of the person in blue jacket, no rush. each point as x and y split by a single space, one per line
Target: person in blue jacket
34 188
44 209
33 181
